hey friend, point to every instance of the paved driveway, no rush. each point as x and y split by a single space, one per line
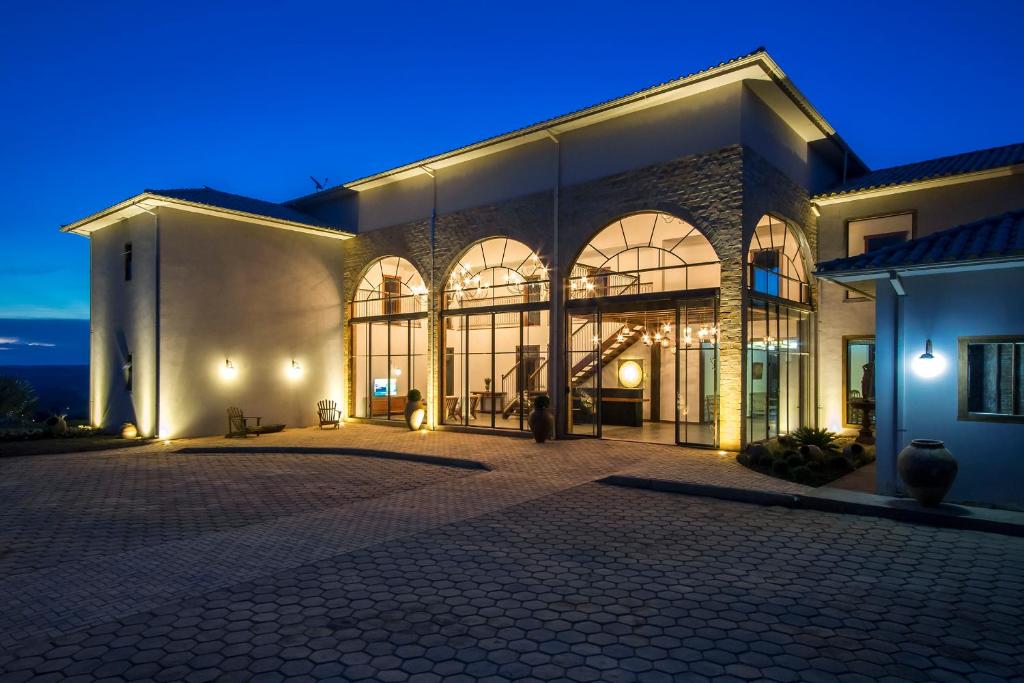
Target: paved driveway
345 568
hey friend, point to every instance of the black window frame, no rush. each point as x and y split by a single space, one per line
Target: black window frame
963 378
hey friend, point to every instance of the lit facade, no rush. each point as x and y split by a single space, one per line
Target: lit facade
647 263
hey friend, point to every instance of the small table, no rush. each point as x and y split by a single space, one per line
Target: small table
490 401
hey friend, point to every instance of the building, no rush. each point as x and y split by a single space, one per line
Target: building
648 262
950 368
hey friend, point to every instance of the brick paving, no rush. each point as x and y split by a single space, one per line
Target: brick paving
391 570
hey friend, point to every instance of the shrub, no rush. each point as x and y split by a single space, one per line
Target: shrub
794 460
17 397
541 402
814 467
801 475
780 469
837 464
811 436
414 395
743 459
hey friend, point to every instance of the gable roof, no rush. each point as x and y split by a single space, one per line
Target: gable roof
212 202
997 238
236 202
943 167
756 65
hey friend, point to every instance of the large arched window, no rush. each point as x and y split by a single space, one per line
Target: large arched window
644 253
776 262
495 334
496 272
779 397
388 324
388 286
644 367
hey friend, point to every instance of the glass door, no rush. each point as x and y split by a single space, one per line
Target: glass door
582 363
696 349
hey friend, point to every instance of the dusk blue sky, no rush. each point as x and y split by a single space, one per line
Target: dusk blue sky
101 100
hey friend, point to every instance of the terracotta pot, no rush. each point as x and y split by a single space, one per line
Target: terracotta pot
129 431
928 470
542 423
812 453
853 453
56 425
414 414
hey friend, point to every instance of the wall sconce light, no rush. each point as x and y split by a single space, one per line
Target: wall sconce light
929 364
228 370
294 370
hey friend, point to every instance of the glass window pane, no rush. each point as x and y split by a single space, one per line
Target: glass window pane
482 401
585 338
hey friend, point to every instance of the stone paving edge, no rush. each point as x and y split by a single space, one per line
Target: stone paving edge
463 463
926 517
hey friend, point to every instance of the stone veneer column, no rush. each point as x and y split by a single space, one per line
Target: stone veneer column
731 325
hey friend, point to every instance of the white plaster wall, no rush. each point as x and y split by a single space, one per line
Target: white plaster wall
123 322
943 308
936 209
701 123
256 295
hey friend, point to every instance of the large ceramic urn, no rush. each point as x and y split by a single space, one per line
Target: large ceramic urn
928 470
541 420
414 410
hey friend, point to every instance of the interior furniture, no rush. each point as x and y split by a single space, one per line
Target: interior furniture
379 405
490 401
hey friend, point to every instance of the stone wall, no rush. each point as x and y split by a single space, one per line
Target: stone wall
722 193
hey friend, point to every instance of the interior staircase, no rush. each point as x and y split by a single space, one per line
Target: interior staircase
610 349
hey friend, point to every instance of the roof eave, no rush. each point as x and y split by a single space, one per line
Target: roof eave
125 209
860 275
922 184
540 130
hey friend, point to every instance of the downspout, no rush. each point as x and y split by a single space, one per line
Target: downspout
898 422
156 324
555 289
435 334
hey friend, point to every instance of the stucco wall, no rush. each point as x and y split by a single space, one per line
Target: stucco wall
122 323
259 297
943 308
935 209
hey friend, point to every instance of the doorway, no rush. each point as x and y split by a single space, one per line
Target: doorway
644 373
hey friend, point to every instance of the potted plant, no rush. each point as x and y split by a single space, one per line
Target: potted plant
541 420
928 470
414 410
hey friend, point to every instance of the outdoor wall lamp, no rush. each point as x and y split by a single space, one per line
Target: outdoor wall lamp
228 371
928 365
294 370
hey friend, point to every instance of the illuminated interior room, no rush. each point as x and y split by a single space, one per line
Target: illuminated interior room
642 325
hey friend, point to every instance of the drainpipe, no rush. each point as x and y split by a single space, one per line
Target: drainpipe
555 316
156 323
898 422
434 335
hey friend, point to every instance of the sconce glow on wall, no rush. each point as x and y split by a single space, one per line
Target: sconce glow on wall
631 374
294 370
228 371
929 364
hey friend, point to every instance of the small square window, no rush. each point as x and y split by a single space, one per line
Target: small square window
990 374
127 261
